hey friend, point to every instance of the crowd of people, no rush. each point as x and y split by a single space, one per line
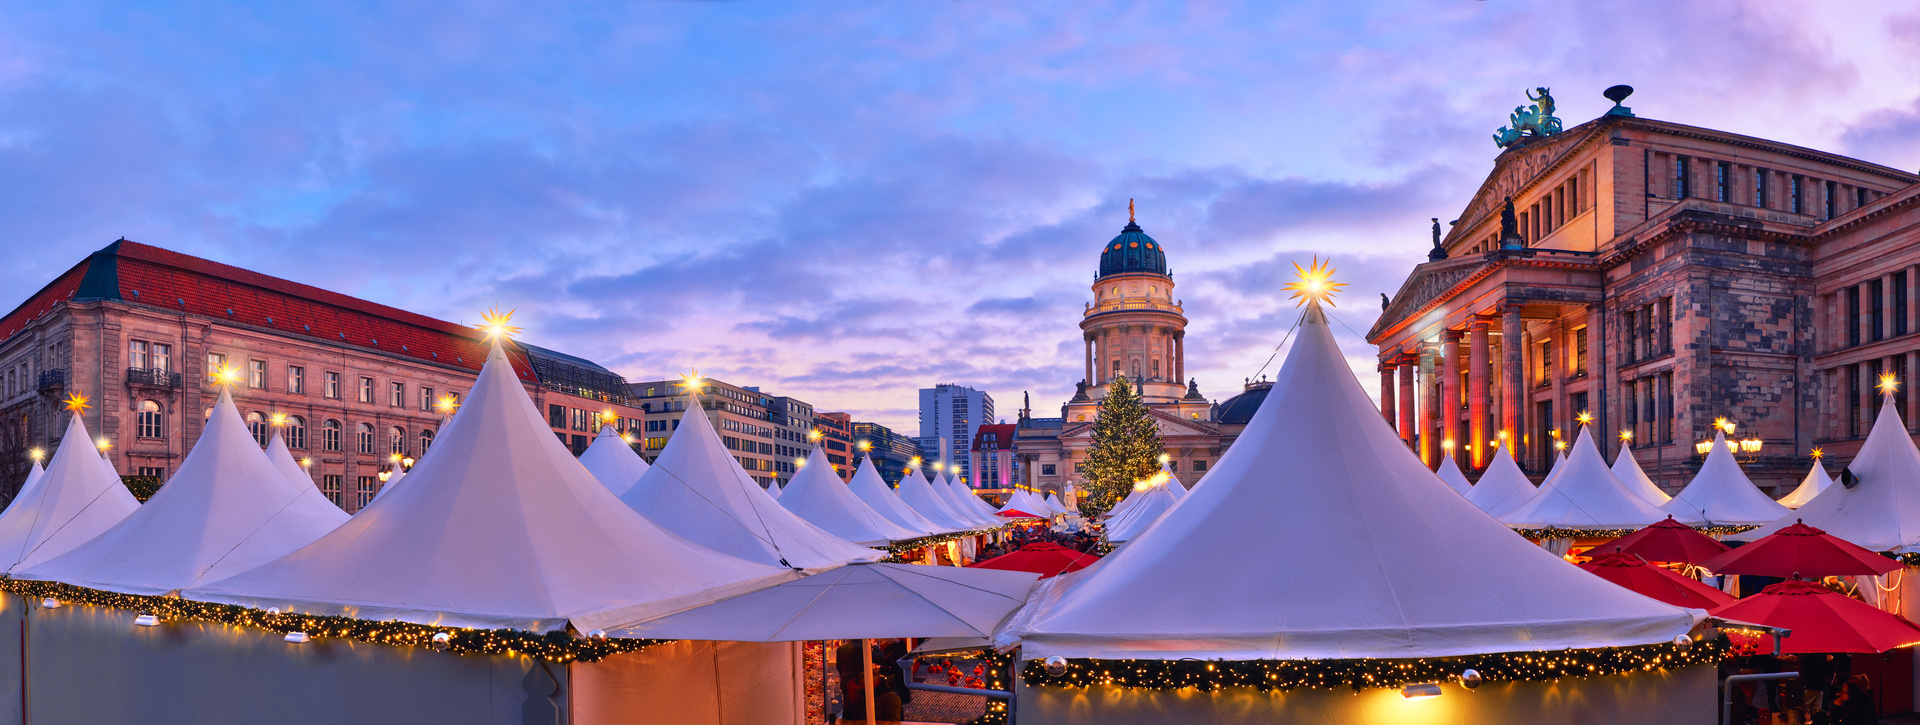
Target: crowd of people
1827 692
1080 541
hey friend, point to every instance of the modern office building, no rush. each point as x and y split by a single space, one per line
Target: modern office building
836 433
767 434
891 452
952 412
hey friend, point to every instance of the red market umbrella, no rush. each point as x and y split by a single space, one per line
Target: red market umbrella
1801 550
1018 514
1668 542
1656 582
1041 558
1821 620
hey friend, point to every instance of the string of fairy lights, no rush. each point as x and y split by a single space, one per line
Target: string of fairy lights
1559 533
556 646
897 552
1359 674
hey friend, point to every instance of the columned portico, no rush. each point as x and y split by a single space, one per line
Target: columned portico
1407 426
1387 395
1477 368
1429 446
1450 390
1513 384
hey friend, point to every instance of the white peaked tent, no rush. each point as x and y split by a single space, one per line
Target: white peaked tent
873 491
75 499
965 495
282 460
1054 503
1502 487
26 486
612 460
1628 471
919 495
697 490
1363 554
498 527
226 510
949 489
1121 507
1586 495
954 505
1721 494
1816 481
775 490
1451 473
1022 500
1559 464
1152 502
818 496
1882 510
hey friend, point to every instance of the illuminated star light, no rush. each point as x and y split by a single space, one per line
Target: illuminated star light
495 324
77 403
1315 283
226 375
1888 384
1817 453
693 381
278 419
446 405
1584 417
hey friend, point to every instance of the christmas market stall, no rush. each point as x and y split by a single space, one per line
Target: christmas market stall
1721 494
1585 500
1450 472
1628 470
1502 487
612 460
817 495
1323 574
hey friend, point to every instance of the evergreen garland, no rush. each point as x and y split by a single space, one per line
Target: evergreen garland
1126 448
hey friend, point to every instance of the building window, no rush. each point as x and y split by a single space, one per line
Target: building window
1879 290
296 432
1826 200
216 362
1546 362
296 380
257 424
1760 188
1580 352
397 440
1900 306
149 424
1681 165
426 441
366 390
1199 466
1796 198
330 487
151 472
397 396
1720 181
556 416
654 444
330 436
1853 401
1629 328
137 354
426 400
333 386
1853 315
257 374
363 493
1860 198
1666 407
366 438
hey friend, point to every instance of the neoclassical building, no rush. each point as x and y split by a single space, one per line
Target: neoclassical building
1135 328
1659 277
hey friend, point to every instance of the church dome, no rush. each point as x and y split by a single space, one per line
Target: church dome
1133 251
1239 409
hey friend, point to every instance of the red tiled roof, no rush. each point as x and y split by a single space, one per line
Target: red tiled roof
1003 430
164 279
42 302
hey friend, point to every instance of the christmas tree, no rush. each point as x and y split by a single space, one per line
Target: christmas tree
1126 448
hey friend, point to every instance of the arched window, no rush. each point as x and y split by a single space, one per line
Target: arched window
296 432
397 440
330 436
366 437
257 423
149 422
426 441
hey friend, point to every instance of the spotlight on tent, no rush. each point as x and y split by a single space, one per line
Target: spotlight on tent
442 640
146 620
1847 478
50 603
1056 665
296 637
1422 691
1683 643
1471 679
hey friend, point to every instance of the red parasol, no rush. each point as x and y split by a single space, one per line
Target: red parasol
1801 550
1018 514
1821 619
1041 558
1656 582
1668 542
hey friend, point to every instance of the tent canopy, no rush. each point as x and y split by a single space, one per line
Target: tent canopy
817 495
1359 551
1721 494
1154 501
68 504
497 527
874 492
1450 472
861 601
1502 487
1584 495
1882 511
226 510
612 461
696 489
1628 471
1816 481
919 495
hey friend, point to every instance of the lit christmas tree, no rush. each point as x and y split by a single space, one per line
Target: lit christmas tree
1126 449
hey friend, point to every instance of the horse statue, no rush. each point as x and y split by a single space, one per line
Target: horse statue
1529 121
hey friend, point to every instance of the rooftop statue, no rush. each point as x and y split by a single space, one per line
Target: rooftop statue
1529 121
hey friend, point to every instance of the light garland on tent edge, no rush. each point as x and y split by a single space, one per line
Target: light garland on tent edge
556 646
897 550
1558 533
1270 675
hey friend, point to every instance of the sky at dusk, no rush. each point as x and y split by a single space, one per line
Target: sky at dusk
844 201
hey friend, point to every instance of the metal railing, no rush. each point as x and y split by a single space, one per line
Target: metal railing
53 379
153 377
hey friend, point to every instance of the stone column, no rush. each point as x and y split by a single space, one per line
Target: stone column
1429 445
1407 425
1449 410
1477 369
1089 340
1596 379
1867 395
1913 371
1180 356
1886 306
1513 387
1387 394
1913 303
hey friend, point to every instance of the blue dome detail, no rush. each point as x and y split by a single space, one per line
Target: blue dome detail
1133 251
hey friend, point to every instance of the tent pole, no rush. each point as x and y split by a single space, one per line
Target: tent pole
866 658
